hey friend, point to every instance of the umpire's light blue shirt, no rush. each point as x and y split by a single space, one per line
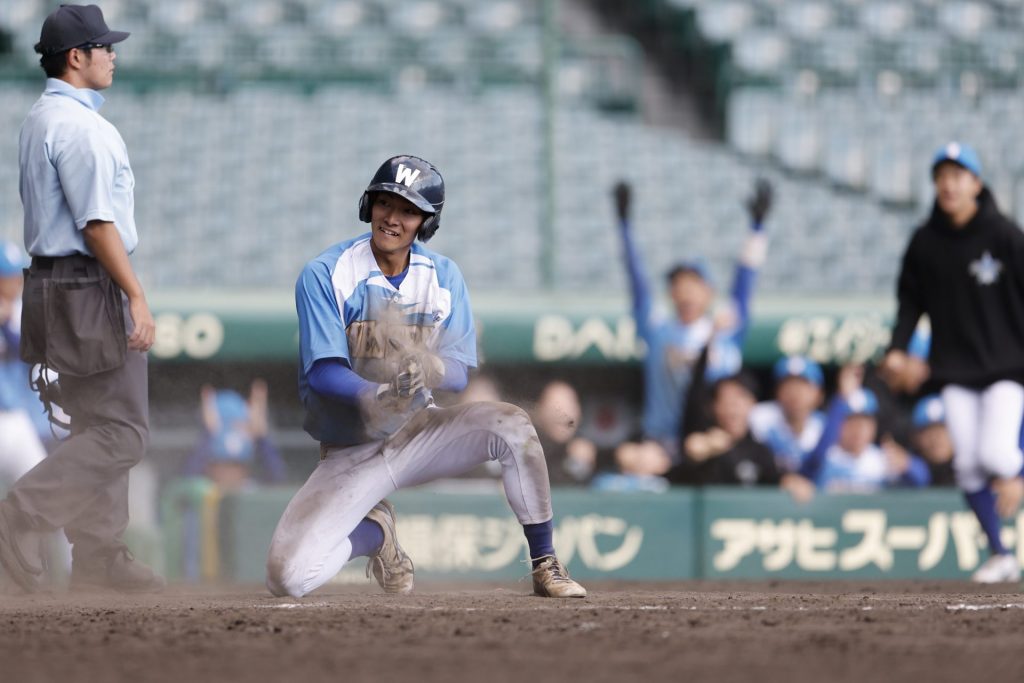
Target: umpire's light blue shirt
74 169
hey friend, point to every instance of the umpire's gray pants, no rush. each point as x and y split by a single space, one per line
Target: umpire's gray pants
82 486
311 545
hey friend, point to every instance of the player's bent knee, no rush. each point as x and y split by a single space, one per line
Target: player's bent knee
969 478
1004 463
282 578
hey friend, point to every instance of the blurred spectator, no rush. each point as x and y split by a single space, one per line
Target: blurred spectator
21 446
556 416
931 440
481 387
727 452
675 342
847 459
24 427
235 450
792 424
909 377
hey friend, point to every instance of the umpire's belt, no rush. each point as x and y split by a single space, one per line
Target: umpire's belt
71 261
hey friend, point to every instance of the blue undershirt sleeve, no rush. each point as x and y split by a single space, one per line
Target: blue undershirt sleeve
742 293
456 375
330 377
638 284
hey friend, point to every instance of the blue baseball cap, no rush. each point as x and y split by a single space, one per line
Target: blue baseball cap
231 407
800 367
960 154
862 402
12 259
929 411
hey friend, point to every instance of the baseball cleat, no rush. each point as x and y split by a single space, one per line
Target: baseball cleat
551 580
391 566
114 569
998 569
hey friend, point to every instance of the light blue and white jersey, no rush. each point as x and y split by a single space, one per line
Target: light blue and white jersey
74 169
349 310
769 426
844 472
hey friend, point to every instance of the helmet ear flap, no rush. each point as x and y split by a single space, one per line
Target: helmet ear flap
365 205
430 225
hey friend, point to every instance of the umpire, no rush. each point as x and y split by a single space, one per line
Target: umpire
85 315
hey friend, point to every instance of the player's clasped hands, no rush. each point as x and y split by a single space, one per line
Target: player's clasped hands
392 404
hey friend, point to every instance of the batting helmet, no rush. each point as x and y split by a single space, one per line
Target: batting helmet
415 179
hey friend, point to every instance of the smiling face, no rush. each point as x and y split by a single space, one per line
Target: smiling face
394 221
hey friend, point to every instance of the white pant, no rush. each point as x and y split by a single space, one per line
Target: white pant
985 429
311 545
20 446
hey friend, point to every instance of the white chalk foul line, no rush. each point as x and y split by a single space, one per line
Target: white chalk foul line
959 607
964 607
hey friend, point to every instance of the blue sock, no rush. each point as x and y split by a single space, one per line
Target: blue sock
983 503
538 537
366 538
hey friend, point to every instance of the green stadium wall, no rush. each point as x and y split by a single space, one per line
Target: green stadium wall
539 329
713 533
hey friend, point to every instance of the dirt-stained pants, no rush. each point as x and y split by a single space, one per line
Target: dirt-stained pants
311 545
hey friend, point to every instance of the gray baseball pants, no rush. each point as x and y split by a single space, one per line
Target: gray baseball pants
310 544
82 486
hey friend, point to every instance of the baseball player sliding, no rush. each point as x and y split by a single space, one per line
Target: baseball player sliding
382 322
964 268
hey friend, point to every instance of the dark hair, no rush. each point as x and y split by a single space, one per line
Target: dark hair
54 65
681 269
742 379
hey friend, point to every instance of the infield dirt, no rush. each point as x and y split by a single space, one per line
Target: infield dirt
861 631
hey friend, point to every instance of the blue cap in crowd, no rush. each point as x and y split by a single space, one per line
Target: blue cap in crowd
12 259
862 402
231 407
929 411
801 367
960 154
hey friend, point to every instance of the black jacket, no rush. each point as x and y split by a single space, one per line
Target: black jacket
747 463
970 283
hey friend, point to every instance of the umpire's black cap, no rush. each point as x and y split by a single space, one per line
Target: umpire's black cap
69 26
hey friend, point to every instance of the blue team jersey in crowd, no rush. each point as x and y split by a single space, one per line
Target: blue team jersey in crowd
769 426
349 310
674 347
867 472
